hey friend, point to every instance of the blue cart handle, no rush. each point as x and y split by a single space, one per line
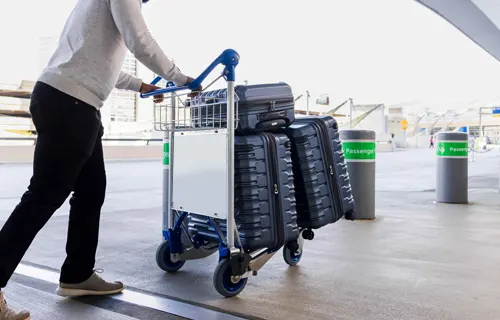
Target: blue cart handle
229 58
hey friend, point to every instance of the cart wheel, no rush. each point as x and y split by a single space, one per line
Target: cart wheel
223 280
163 259
290 256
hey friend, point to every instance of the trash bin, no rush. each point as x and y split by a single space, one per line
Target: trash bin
452 152
359 148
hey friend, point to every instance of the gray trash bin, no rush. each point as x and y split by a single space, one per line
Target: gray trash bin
452 150
359 148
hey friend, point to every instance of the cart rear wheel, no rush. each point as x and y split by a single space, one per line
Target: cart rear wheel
290 256
224 282
163 259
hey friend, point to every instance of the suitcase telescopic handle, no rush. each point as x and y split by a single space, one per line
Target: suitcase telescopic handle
229 58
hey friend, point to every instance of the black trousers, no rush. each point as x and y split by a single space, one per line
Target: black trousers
68 158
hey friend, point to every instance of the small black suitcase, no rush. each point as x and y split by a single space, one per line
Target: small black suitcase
264 194
261 107
322 186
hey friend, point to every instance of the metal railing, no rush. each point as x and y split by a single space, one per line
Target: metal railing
33 139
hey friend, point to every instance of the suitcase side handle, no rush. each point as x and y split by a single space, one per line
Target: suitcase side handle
229 58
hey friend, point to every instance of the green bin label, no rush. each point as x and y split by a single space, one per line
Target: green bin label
359 150
452 149
166 153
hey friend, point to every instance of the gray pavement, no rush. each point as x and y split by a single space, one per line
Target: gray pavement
417 260
43 305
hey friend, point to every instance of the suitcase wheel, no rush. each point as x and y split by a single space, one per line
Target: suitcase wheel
163 259
291 253
350 215
308 234
225 283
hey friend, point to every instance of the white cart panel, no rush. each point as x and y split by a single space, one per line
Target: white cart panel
200 173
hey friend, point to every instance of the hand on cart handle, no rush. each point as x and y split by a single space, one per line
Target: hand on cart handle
196 91
229 58
146 87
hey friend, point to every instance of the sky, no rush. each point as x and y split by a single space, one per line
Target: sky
395 52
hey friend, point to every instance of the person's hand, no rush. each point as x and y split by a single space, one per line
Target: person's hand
146 87
196 91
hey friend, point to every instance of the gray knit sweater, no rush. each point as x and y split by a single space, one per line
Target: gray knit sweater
88 60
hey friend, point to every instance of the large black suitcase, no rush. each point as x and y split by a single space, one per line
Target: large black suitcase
322 186
264 194
261 107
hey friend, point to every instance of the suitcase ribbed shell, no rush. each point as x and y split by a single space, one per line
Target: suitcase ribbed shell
322 185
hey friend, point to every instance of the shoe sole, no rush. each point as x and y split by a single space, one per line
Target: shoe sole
65 292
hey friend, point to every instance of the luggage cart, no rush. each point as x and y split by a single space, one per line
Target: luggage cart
198 177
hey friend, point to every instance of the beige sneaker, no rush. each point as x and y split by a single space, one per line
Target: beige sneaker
8 314
94 286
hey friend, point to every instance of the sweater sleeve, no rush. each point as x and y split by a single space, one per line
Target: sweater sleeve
138 39
128 82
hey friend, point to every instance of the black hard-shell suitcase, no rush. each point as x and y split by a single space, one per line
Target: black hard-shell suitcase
322 186
264 194
261 107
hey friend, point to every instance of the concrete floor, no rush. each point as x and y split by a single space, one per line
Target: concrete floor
417 260
44 305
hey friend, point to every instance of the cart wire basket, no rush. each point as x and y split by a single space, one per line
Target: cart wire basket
194 111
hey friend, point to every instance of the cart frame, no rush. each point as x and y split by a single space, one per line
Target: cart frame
235 264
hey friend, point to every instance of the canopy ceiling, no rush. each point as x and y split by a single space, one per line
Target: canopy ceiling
477 19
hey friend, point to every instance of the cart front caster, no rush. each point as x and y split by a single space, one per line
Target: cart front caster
225 283
163 259
292 253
